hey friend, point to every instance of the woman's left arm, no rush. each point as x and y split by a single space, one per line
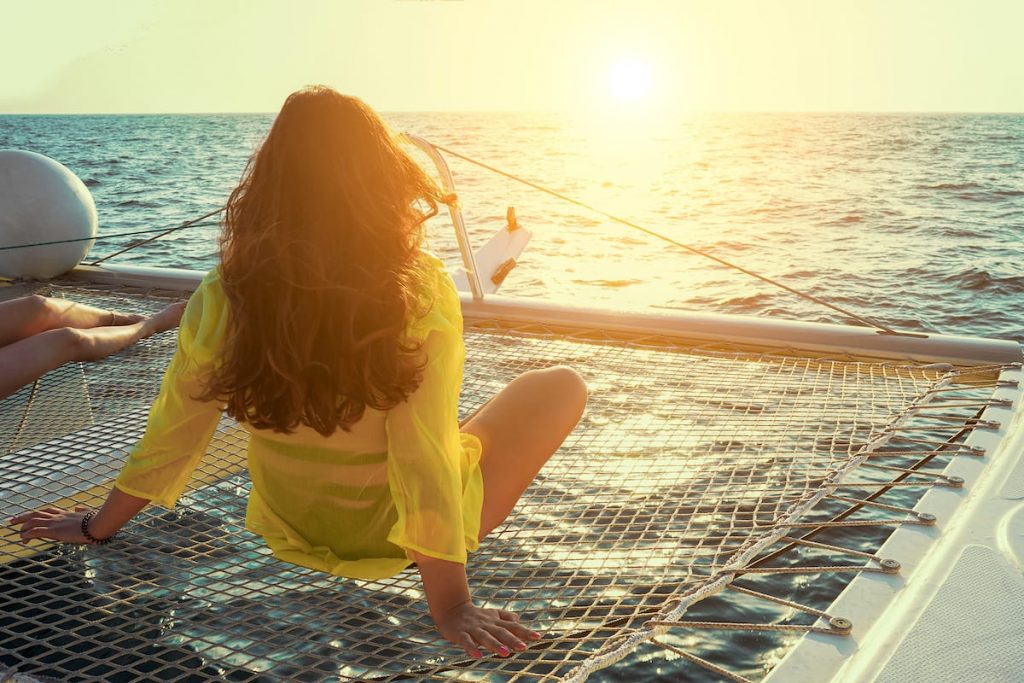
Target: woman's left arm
157 469
178 432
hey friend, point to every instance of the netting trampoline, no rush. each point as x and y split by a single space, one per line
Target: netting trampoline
693 466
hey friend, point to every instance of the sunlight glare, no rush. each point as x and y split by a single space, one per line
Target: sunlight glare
630 79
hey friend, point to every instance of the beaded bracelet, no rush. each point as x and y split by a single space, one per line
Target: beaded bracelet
89 537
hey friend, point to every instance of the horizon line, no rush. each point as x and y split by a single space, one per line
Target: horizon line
531 111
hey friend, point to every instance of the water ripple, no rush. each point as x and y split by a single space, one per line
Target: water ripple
913 219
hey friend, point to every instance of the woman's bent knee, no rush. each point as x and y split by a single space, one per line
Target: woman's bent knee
567 386
574 385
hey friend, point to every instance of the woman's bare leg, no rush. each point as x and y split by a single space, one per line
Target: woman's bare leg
520 428
29 359
30 315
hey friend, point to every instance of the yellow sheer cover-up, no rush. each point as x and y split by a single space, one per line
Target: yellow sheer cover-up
352 504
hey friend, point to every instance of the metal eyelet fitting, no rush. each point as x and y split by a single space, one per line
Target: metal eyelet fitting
890 565
840 625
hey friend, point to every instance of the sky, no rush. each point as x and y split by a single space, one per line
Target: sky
121 56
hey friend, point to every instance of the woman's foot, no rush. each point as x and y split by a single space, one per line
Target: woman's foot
166 319
117 318
99 342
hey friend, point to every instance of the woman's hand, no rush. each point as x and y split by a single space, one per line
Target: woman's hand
472 627
66 525
53 523
459 620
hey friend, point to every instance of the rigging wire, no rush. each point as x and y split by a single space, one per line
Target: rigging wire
666 238
187 224
193 223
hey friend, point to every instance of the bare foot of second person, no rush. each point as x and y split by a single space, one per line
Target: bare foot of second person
100 342
166 319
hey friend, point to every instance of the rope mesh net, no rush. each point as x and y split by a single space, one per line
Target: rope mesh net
687 465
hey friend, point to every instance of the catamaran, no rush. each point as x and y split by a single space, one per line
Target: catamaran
855 488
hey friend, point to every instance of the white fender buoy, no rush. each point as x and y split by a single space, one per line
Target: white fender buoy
41 200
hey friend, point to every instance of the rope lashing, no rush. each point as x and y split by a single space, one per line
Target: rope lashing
666 238
929 455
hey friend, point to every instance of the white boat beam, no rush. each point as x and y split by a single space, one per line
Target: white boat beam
752 332
744 331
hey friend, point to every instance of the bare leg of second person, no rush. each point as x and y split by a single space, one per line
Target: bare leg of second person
30 358
30 315
520 428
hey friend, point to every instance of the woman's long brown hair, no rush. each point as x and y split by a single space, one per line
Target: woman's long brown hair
320 260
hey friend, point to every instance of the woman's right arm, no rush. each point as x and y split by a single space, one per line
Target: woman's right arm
425 463
459 620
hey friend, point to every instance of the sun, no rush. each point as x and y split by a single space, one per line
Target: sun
630 79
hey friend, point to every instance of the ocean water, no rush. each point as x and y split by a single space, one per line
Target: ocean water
914 220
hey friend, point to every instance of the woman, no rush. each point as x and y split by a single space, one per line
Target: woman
39 334
337 343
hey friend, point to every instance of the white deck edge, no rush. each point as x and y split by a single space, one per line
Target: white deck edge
884 608
749 331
